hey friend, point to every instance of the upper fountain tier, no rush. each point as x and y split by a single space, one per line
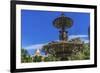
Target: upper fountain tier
63 22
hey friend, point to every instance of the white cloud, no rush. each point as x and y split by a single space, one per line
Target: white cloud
76 36
39 46
82 37
85 41
35 46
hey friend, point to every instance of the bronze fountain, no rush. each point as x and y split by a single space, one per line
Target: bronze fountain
63 48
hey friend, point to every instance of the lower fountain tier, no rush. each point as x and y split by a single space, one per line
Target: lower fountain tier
63 48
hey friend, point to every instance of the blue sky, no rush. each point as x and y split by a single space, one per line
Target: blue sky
37 26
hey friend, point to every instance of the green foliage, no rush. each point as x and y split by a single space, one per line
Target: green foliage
25 57
51 58
46 59
37 58
84 54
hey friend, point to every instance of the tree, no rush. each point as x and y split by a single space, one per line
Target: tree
37 58
51 58
25 57
84 54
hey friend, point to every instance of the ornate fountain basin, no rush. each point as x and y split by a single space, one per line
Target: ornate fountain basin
63 49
